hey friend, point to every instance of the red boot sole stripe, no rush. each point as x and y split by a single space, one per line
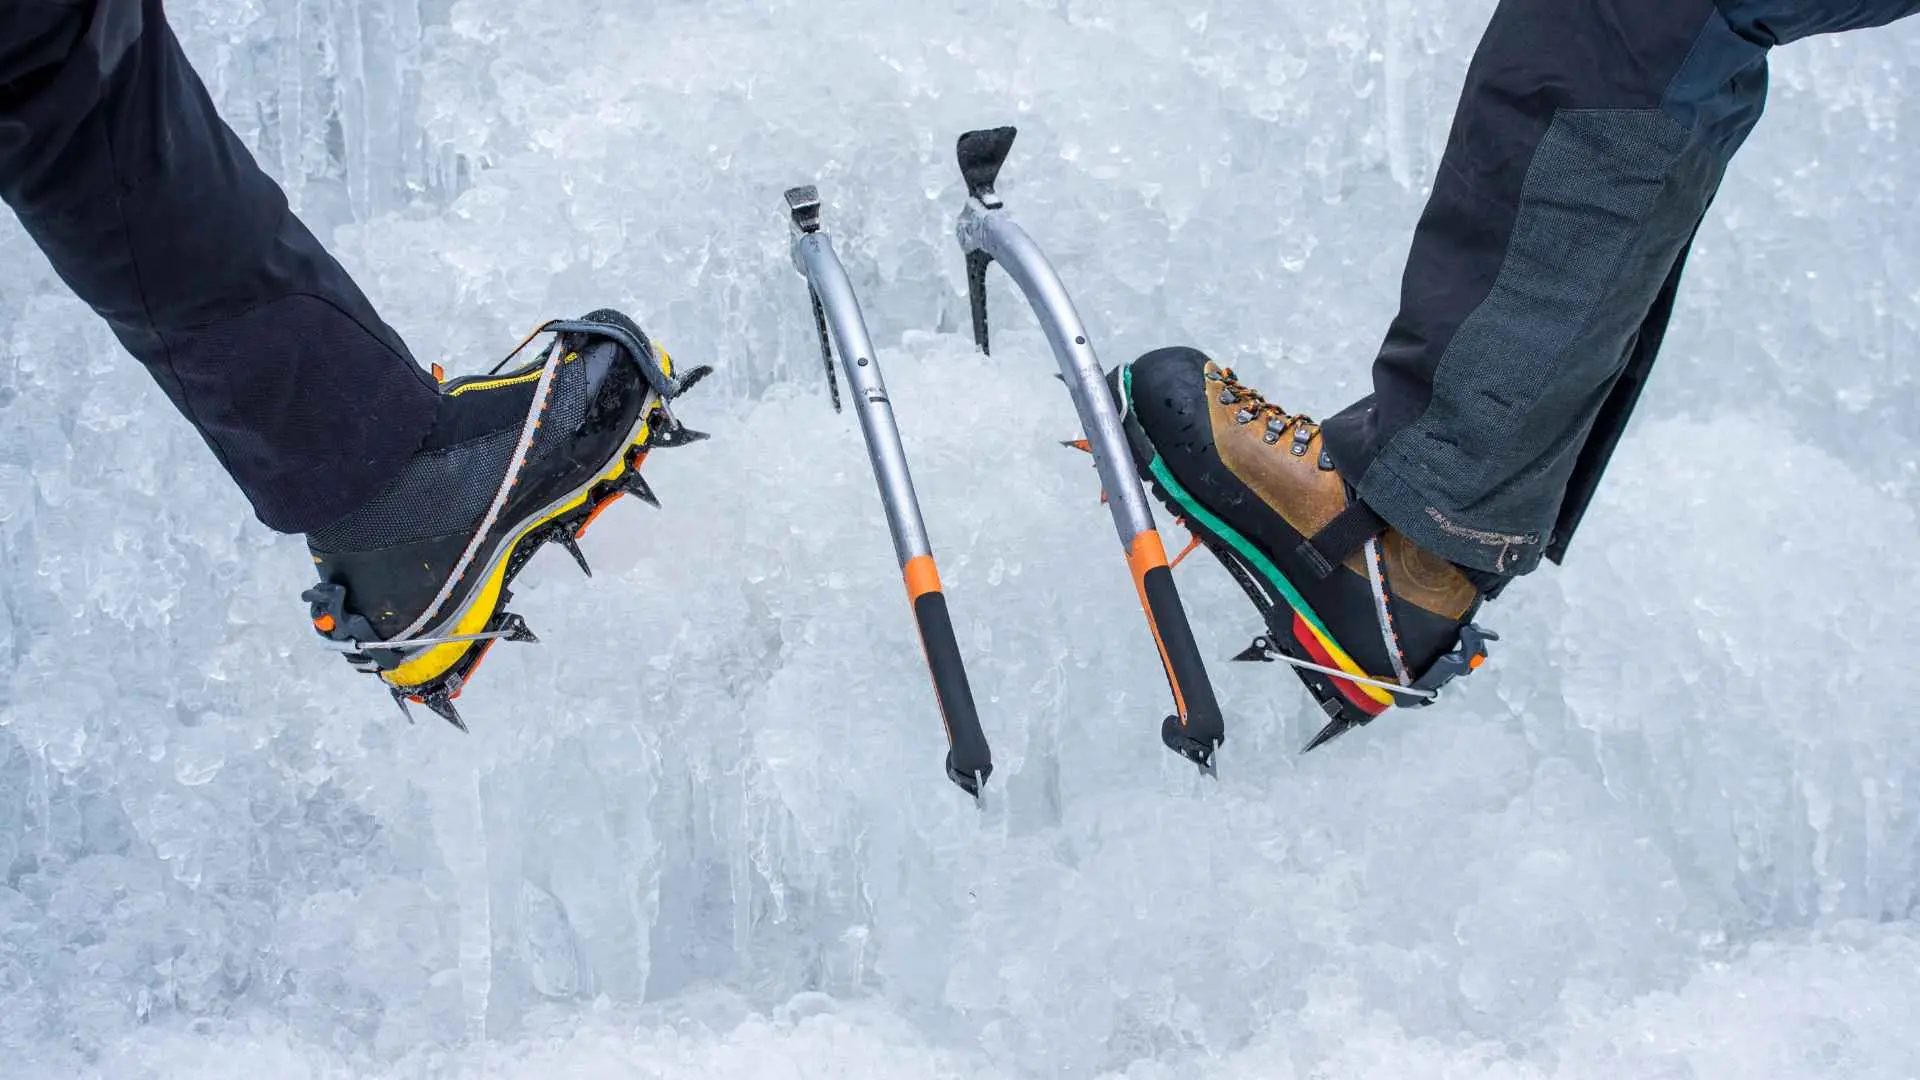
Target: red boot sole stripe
1303 634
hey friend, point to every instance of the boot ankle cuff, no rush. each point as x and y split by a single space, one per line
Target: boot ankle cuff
1488 583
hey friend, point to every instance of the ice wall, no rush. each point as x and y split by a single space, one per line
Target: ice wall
1670 832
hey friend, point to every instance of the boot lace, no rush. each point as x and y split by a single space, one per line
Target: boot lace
1255 407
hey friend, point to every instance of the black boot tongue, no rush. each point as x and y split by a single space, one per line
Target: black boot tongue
474 415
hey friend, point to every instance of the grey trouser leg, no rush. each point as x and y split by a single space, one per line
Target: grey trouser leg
1589 141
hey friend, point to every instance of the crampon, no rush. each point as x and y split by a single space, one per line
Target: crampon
421 612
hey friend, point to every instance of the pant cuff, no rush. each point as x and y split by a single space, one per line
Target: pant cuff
1452 534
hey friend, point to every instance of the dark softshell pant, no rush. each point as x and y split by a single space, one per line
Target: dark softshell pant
155 214
1589 141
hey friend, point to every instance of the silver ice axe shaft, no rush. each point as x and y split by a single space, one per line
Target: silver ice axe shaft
843 329
988 234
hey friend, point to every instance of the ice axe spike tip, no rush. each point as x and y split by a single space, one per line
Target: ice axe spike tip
1174 735
970 782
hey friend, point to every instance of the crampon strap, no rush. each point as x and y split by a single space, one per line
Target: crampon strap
1466 657
664 384
1349 530
353 637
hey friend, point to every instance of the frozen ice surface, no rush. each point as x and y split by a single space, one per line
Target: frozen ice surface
1673 831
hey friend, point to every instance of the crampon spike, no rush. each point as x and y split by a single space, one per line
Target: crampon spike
1260 652
400 699
693 377
1333 730
1193 542
637 486
515 628
678 435
667 430
566 540
441 705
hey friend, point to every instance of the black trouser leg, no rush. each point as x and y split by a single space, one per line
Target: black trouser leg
1589 141
149 207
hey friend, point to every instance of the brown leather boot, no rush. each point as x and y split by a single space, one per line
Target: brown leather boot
1342 593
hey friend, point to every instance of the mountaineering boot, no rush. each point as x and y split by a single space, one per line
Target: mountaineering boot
1341 592
413 585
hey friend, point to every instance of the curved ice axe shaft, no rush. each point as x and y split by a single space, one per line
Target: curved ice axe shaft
988 234
842 328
